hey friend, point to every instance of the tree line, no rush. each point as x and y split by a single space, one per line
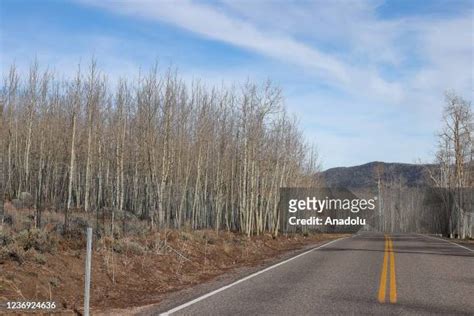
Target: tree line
446 204
173 153
455 161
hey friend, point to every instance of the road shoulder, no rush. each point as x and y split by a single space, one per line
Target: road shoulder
168 301
462 243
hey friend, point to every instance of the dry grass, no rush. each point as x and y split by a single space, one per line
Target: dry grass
131 270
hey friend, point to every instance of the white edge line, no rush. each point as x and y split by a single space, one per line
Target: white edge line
171 311
448 241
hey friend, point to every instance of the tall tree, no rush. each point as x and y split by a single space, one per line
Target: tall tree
454 158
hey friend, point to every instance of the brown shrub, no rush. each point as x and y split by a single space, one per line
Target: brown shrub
35 256
12 252
36 239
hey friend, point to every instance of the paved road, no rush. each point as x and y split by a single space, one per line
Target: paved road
364 274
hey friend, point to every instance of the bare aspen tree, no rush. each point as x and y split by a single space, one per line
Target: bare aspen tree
91 104
30 113
2 154
9 94
76 90
454 160
42 109
176 154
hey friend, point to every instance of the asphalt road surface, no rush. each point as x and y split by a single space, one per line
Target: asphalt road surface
364 274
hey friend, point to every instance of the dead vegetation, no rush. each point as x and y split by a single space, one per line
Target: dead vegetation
131 269
157 147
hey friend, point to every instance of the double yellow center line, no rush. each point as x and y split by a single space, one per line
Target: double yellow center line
388 256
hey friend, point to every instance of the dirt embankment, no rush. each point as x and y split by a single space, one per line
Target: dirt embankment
132 272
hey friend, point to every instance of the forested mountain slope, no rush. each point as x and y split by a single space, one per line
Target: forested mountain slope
367 175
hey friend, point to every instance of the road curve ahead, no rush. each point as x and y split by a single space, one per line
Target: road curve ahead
365 274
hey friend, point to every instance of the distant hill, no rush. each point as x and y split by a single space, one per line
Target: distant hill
367 175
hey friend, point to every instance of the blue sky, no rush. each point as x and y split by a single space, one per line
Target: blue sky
365 78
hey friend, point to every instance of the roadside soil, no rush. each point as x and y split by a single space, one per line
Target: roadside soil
133 276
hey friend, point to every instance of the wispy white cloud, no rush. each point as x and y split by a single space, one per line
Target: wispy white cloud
364 86
216 23
351 24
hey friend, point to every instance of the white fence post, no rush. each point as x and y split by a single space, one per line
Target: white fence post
87 283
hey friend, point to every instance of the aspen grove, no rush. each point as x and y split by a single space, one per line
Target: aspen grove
170 152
